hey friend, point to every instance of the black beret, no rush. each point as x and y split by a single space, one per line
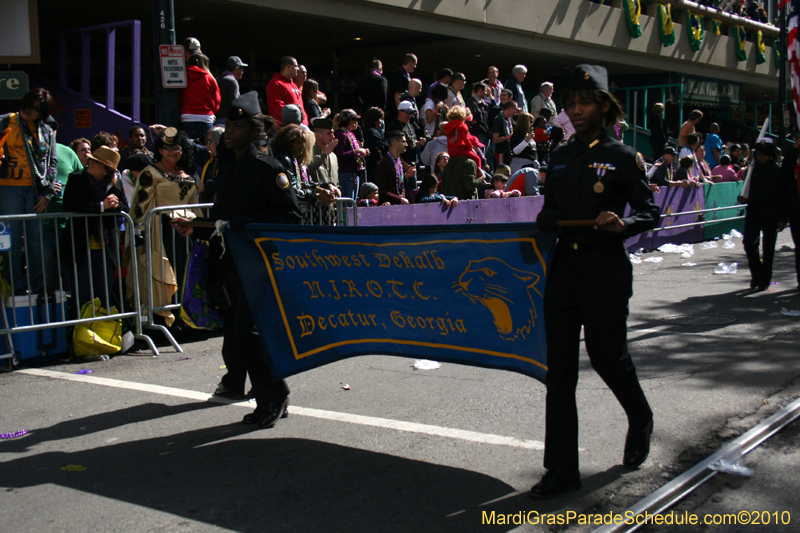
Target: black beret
588 78
245 106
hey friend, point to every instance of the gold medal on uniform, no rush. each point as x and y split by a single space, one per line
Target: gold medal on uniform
601 169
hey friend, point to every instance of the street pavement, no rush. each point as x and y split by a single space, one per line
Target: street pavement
371 444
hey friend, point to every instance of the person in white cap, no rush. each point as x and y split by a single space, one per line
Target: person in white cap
228 83
403 123
191 47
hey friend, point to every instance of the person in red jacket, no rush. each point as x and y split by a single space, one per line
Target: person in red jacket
281 90
459 141
199 102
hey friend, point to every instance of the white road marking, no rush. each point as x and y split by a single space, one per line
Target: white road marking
398 425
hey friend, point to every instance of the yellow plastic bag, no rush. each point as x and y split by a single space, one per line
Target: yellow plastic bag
103 337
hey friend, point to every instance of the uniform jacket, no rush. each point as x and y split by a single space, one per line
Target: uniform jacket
307 192
201 97
569 192
766 190
251 190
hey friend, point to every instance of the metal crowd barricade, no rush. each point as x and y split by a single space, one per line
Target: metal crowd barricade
313 214
63 280
153 220
346 212
319 214
701 222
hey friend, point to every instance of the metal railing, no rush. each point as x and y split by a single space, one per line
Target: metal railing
700 222
346 212
69 278
153 221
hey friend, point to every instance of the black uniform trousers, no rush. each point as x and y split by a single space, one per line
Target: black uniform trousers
241 347
756 223
588 288
794 226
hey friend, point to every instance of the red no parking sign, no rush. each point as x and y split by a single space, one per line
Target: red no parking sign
173 66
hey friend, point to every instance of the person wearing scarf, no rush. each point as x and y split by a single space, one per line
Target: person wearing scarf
93 190
28 168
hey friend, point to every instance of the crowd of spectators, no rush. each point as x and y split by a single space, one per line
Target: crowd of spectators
699 158
404 143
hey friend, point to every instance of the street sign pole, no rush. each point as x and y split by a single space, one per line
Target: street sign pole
167 111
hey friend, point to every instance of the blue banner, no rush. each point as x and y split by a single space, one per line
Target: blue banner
464 294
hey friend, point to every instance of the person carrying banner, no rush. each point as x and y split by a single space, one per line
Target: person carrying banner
590 182
251 188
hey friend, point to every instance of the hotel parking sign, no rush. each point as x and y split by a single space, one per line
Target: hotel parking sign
173 66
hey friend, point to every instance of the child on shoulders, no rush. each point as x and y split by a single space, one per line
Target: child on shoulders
459 141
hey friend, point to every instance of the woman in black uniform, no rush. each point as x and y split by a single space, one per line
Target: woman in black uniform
590 182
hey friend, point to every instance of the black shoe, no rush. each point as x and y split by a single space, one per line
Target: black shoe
253 417
762 287
272 412
225 392
556 481
637 445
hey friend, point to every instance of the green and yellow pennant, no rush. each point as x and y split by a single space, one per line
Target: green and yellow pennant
695 30
632 11
761 48
739 42
716 27
776 50
666 28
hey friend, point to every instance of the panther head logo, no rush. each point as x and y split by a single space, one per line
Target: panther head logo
505 292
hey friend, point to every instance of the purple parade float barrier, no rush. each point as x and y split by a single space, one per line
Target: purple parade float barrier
673 200
525 209
494 211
